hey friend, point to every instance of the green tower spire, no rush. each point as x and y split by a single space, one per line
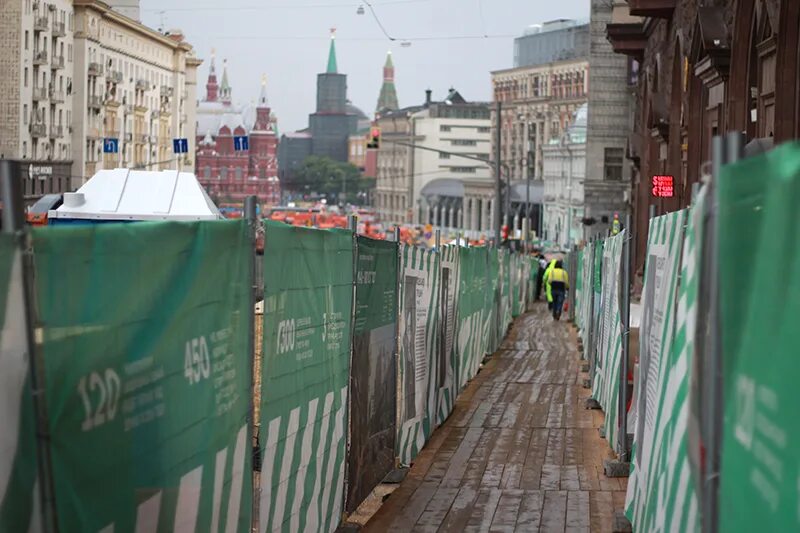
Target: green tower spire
332 54
387 100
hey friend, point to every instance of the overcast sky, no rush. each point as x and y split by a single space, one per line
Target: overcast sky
288 41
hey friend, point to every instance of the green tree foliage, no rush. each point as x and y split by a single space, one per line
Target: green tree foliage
337 181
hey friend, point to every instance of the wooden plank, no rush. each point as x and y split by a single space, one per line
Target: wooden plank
483 510
480 456
512 473
551 477
505 516
458 463
578 510
534 459
554 513
412 510
555 447
460 511
497 459
530 511
601 511
569 478
587 475
436 510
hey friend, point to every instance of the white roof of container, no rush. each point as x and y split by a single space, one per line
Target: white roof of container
125 194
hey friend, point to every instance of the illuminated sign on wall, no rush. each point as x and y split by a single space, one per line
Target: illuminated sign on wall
663 186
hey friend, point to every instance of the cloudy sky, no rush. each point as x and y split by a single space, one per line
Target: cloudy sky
288 41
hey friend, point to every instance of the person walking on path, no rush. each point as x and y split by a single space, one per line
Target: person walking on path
546 281
557 286
542 262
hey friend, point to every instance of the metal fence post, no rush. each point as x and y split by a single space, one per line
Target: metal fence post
592 329
625 312
399 310
13 223
252 221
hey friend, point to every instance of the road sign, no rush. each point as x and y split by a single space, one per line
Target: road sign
180 146
241 143
110 146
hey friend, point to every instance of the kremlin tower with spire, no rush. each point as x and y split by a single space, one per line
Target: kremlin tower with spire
229 175
329 127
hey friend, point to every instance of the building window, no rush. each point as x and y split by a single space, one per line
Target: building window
463 170
26 39
223 173
444 128
463 142
24 149
613 164
484 129
25 76
25 113
443 155
238 173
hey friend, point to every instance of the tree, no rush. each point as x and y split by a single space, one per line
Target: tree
335 180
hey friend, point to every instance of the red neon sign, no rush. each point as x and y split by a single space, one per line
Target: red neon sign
663 186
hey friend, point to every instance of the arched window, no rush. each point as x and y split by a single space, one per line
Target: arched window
761 76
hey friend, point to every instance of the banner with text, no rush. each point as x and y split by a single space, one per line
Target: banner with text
760 306
147 373
18 489
308 299
416 397
373 374
448 388
661 492
605 386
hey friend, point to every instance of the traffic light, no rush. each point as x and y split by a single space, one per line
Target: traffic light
374 140
504 233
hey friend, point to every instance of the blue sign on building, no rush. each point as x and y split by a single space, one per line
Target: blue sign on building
110 146
241 143
180 146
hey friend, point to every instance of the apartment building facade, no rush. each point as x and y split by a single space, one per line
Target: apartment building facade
36 58
134 84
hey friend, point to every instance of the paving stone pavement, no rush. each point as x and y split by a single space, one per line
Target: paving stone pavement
520 453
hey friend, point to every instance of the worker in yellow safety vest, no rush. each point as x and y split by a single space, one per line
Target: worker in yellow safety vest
546 276
557 286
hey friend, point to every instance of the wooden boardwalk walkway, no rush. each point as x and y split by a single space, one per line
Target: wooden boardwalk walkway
520 453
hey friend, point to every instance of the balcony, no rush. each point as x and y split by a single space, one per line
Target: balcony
38 130
57 62
40 57
59 29
91 167
56 132
40 24
629 39
92 133
166 91
142 85
95 69
56 97
94 102
112 134
115 76
652 8
155 114
39 94
142 138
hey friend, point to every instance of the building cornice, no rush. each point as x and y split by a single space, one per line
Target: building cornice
106 12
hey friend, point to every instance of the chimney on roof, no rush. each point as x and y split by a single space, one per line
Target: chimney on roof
428 94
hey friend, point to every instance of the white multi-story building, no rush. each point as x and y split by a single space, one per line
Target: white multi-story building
37 93
421 180
134 84
564 171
